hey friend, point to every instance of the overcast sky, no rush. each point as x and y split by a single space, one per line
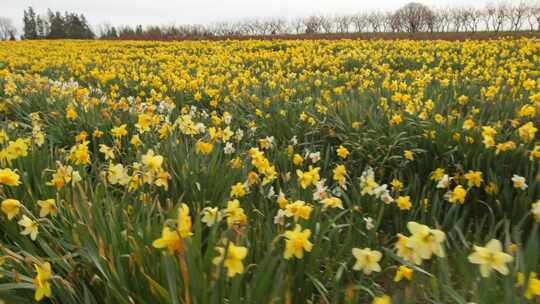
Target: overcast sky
160 12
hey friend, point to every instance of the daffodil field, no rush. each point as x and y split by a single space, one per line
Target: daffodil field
312 171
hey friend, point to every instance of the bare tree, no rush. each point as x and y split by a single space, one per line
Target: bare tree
469 17
360 22
277 26
476 16
376 21
223 28
7 29
343 23
190 30
489 15
385 24
498 16
327 24
262 27
529 18
298 26
247 27
436 23
536 15
516 15
457 19
414 17
312 24
533 17
445 19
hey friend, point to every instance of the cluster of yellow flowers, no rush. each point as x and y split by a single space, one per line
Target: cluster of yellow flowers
307 154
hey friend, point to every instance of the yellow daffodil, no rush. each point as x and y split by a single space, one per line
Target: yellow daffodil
9 177
10 207
80 154
42 281
47 207
340 175
397 185
30 227
231 258
382 300
107 151
308 178
533 286
425 241
238 190
297 210
204 148
437 174
342 152
297 241
403 272
405 252
211 216
298 159
457 195
404 202
332 202
367 260
170 239
117 174
527 132
235 214
491 257
474 178
183 221
152 161
408 154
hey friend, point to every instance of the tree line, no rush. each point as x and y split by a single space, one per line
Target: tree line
412 18
55 25
7 29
